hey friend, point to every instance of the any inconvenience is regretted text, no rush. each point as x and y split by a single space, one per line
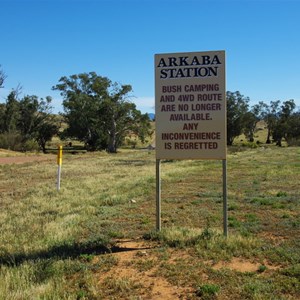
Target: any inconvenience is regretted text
191 145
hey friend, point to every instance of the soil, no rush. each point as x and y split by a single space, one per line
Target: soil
154 287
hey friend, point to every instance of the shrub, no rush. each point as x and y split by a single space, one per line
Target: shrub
15 142
294 142
11 141
30 145
207 291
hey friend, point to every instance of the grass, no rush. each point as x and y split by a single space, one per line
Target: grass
57 245
207 291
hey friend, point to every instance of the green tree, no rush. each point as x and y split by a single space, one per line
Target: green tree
2 117
292 135
250 121
45 131
282 125
270 114
237 108
10 137
12 112
26 120
120 117
36 120
28 108
83 95
98 112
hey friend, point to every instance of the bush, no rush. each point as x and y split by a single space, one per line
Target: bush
11 141
15 142
30 145
293 142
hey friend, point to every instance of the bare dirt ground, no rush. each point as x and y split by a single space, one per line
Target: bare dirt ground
155 287
135 252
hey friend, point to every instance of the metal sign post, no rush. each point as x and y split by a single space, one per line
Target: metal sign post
225 208
158 196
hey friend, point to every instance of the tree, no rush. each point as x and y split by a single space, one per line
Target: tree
27 119
270 114
292 135
45 131
250 121
36 121
119 117
47 124
2 117
2 77
28 108
10 137
12 112
282 126
83 95
98 112
237 108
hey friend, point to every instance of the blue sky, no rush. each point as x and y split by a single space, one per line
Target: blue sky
44 40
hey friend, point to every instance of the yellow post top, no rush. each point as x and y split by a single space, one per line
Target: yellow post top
59 155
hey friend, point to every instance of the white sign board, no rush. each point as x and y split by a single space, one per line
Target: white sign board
190 105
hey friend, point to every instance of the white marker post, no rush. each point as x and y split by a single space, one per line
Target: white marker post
59 162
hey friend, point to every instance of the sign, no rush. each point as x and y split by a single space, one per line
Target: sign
190 105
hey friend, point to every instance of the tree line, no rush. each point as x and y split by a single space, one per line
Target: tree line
99 113
281 118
